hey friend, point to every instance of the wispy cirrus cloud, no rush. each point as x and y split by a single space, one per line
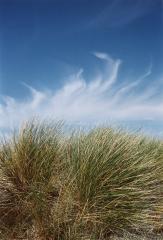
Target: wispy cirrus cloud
121 12
100 99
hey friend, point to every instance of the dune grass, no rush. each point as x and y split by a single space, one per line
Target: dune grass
90 185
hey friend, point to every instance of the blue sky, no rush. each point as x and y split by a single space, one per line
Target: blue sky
82 61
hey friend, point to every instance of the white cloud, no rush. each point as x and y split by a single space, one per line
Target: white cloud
98 100
121 12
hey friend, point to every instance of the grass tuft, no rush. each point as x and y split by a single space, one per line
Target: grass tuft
86 185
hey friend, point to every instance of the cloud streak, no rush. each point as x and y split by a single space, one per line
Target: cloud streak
121 12
100 99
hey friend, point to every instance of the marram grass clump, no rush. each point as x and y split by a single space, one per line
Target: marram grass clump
85 185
